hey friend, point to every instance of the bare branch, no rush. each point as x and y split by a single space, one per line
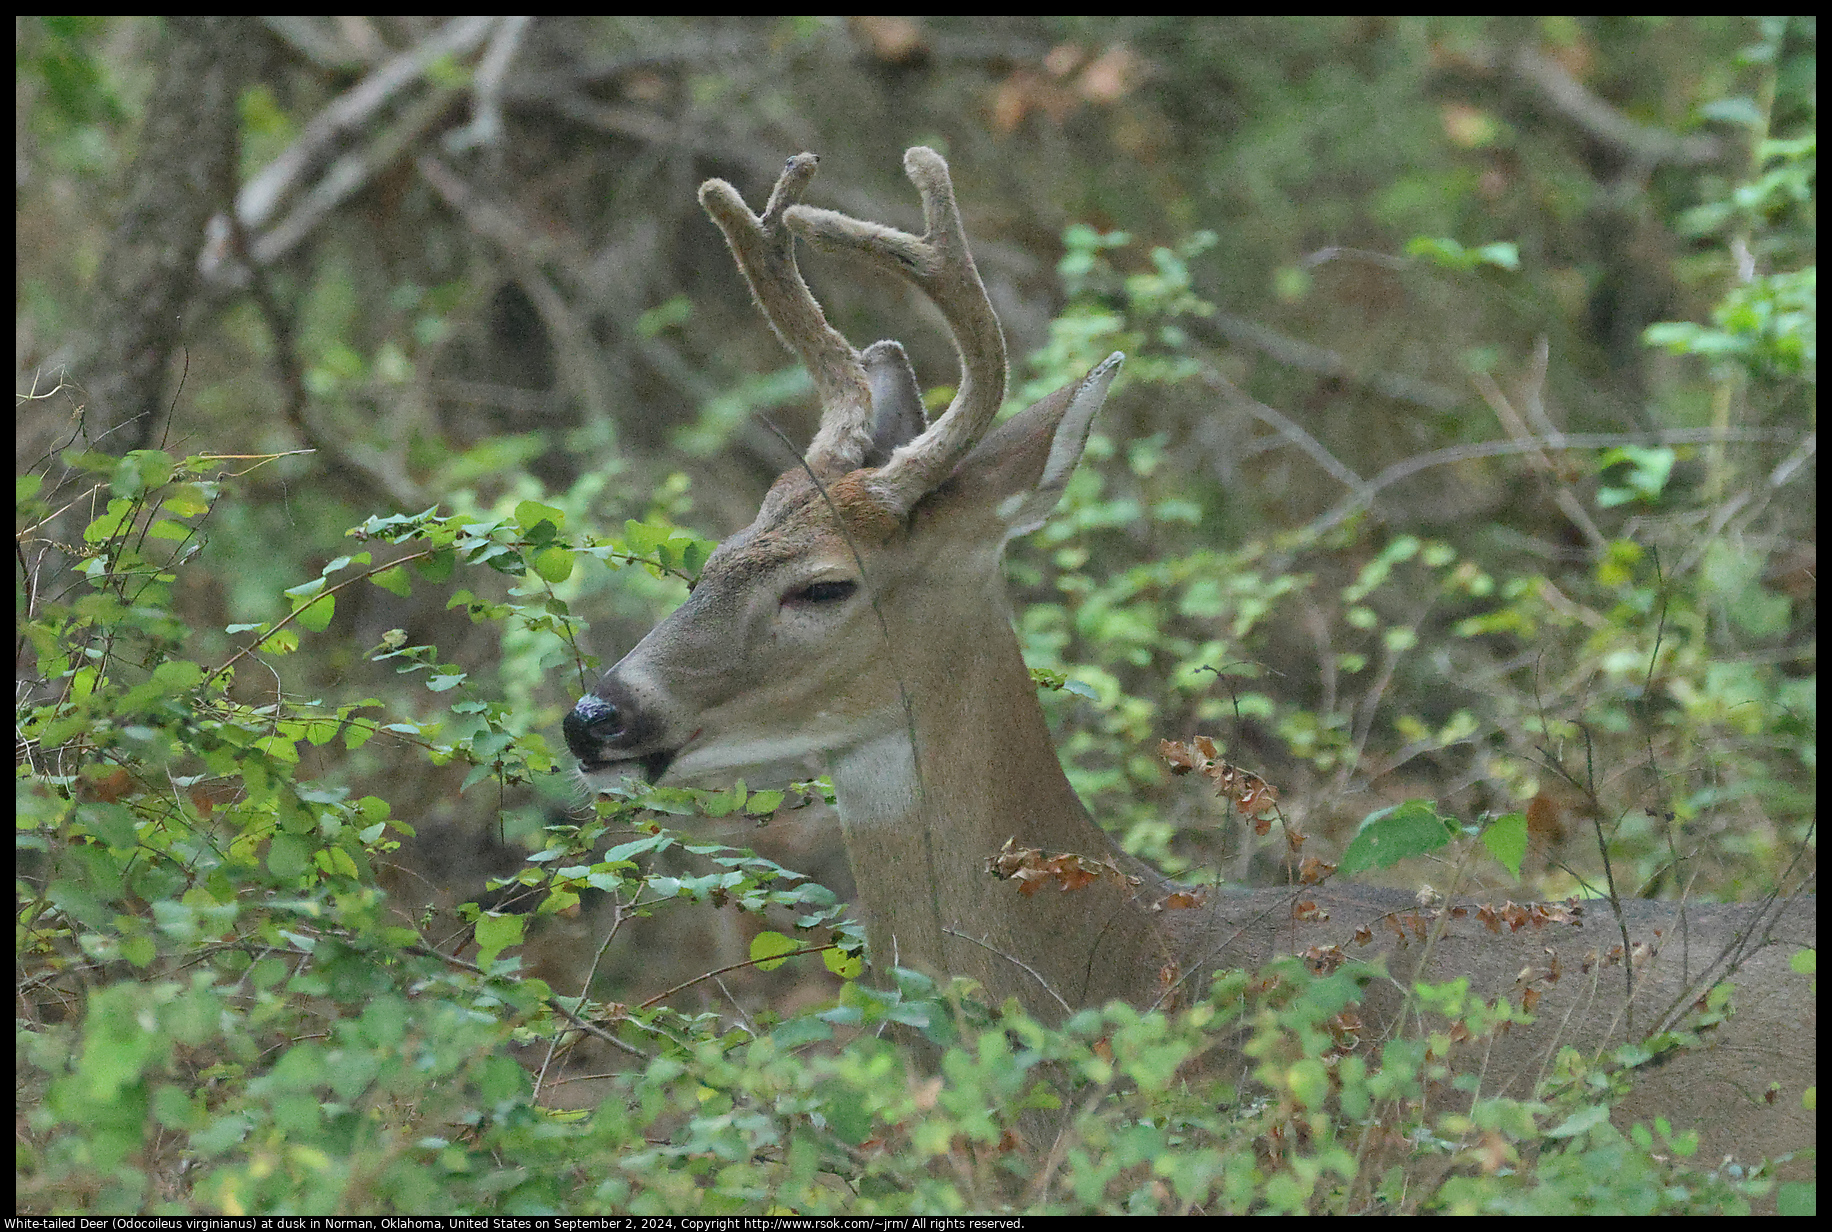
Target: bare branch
262 197
1637 142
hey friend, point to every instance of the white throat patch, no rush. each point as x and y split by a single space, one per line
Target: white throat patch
875 782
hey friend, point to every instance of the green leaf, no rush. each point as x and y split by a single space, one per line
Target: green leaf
1797 1198
1506 840
637 847
438 567
109 524
1505 254
530 514
1394 834
766 945
176 674
496 933
725 803
393 580
664 316
845 1110
554 564
1452 255
643 538
288 856
1741 110
1585 1118
763 803
798 1031
1644 477
315 615
175 532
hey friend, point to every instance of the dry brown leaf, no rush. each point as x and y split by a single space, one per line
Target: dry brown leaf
1325 959
1181 758
1314 871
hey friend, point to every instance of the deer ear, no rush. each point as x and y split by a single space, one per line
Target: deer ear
1022 466
897 417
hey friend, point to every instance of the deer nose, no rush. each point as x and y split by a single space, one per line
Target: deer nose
590 725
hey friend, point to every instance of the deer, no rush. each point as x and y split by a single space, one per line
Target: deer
861 618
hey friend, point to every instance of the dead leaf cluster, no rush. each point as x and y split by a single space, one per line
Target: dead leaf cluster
1032 868
1537 915
1411 925
1252 795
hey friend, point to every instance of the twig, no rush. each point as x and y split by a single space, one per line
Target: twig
350 172
486 128
749 962
590 1028
526 252
260 198
1638 143
1285 427
1016 962
1510 419
1296 353
1352 504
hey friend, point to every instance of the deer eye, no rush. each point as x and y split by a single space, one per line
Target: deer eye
822 592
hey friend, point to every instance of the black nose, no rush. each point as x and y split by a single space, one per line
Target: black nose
590 725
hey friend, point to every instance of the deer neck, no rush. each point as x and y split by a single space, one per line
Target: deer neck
925 804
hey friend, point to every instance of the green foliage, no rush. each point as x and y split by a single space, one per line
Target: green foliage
1454 256
246 1002
1435 650
1771 325
1767 322
240 997
61 53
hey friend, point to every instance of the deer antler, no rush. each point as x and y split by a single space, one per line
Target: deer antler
765 252
939 263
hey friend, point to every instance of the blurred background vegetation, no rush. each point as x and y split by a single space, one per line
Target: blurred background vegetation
1467 451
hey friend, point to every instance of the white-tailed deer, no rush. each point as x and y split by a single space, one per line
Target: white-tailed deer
862 617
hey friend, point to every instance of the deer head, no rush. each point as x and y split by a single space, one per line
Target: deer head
874 564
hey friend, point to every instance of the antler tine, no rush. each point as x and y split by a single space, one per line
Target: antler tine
940 263
765 252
